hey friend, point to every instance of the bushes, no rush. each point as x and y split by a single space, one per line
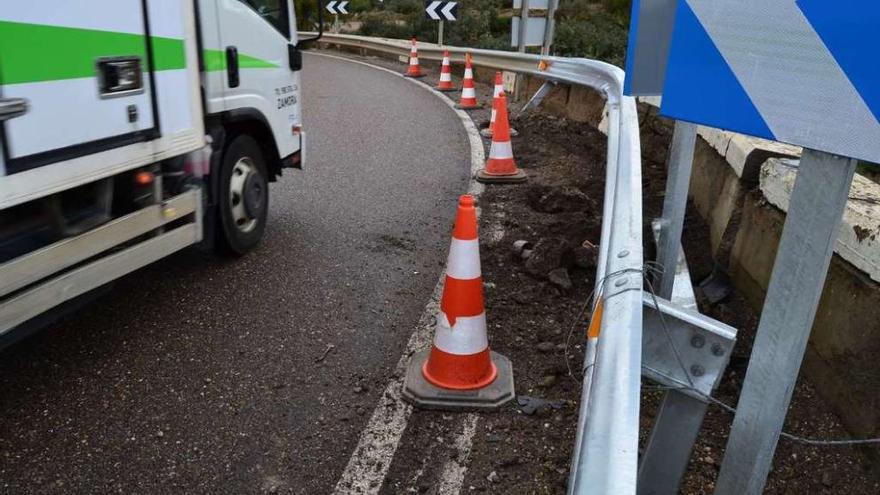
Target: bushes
584 28
306 15
474 28
406 7
381 25
356 6
599 36
478 26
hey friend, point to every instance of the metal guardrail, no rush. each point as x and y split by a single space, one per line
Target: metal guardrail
605 458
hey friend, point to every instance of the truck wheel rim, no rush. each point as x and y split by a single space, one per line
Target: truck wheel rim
243 219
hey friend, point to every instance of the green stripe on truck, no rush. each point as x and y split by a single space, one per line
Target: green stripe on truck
38 52
216 60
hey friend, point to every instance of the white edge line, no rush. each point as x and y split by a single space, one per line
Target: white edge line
452 476
371 459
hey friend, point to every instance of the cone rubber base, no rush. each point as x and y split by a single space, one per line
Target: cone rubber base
485 178
446 90
458 106
488 135
414 75
422 394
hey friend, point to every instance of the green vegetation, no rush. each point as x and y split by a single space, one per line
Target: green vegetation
599 33
584 28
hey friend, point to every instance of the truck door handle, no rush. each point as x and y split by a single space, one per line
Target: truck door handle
119 76
11 108
232 66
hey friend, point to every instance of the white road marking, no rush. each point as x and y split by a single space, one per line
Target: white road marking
380 438
452 476
371 459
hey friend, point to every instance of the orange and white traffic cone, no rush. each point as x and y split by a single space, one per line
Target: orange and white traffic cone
414 69
459 371
445 83
501 167
499 88
468 93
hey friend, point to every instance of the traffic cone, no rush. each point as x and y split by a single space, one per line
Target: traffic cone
414 70
459 371
499 88
501 167
468 94
445 83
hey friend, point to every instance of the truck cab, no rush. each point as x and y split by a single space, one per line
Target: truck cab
252 99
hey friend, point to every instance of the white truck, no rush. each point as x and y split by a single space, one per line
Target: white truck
130 129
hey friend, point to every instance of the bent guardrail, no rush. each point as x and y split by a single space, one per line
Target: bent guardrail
605 457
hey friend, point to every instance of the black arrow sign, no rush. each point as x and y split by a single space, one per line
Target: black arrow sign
440 10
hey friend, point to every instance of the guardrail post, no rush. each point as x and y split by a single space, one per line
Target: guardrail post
679 418
666 456
808 238
537 98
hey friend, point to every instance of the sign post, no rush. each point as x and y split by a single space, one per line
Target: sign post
550 29
819 197
441 10
523 25
680 416
533 24
337 7
801 72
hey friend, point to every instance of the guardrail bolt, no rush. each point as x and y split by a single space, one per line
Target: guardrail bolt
620 282
623 254
698 341
717 350
698 370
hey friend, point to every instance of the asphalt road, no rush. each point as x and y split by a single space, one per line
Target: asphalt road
201 375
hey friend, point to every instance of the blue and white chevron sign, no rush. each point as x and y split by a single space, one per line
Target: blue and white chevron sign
804 72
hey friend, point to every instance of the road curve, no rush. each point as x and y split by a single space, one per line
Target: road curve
202 375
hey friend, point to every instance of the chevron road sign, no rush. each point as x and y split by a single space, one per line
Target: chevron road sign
804 72
337 7
438 10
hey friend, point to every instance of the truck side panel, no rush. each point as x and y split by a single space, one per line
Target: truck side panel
51 61
49 55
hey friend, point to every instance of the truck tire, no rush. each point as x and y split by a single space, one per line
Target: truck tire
243 196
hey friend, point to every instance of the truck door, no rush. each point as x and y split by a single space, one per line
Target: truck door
84 70
256 36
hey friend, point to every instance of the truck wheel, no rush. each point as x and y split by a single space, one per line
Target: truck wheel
244 195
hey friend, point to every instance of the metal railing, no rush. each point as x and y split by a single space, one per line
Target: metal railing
605 457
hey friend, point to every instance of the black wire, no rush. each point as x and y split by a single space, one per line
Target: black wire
657 268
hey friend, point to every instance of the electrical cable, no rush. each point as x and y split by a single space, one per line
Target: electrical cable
657 268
